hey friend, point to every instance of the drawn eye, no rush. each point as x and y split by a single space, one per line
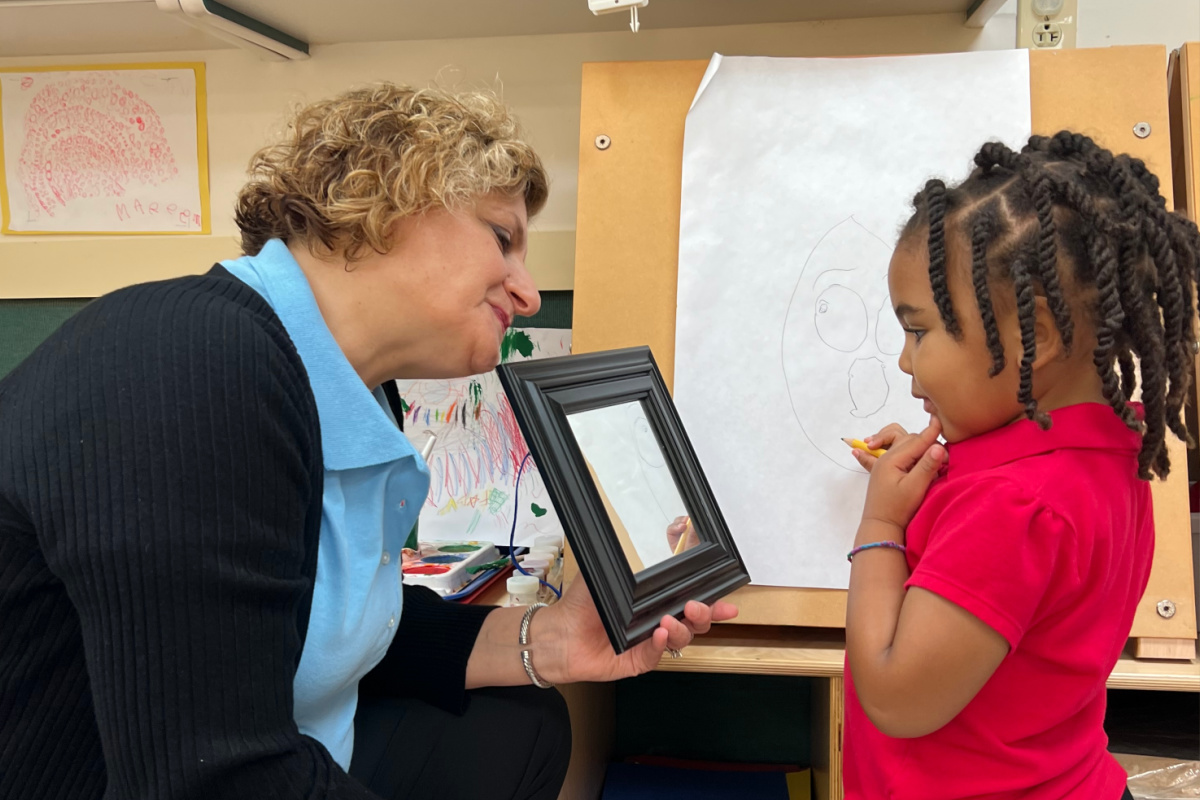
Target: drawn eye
889 336
841 318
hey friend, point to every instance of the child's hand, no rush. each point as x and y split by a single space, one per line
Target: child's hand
901 476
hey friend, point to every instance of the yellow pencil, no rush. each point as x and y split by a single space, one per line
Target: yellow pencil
858 444
687 527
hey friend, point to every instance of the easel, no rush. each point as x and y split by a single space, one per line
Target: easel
627 242
1183 79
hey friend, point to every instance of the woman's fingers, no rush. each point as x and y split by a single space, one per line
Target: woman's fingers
679 635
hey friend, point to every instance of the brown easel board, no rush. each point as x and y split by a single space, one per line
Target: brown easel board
627 244
1183 74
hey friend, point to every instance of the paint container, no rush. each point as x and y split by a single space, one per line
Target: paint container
522 590
536 563
459 547
442 566
552 541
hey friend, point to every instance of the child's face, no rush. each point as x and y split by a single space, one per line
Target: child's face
951 375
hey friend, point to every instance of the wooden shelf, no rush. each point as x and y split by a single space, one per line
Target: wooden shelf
764 650
817 652
821 652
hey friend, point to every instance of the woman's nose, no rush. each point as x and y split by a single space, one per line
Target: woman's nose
524 293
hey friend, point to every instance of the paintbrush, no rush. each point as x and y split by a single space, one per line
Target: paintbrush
411 542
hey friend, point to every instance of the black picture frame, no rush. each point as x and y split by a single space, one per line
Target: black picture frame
543 392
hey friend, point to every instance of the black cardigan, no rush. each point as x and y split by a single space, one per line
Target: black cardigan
160 505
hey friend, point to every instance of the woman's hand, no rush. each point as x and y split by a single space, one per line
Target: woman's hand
572 645
899 479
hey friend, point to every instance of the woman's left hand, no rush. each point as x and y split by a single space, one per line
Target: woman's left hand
578 648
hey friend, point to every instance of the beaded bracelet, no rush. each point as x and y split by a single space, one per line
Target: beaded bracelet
526 659
890 545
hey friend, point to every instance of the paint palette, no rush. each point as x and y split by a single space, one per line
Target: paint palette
442 566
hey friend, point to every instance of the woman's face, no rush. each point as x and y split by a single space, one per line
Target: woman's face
459 277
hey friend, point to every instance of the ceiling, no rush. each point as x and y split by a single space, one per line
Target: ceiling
79 27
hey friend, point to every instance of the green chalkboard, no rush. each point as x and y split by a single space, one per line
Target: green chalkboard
24 324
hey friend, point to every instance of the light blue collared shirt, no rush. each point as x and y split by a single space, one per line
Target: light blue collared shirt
375 483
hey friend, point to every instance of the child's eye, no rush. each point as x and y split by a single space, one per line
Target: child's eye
503 238
917 334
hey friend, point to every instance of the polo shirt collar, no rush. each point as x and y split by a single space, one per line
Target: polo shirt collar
1086 426
356 431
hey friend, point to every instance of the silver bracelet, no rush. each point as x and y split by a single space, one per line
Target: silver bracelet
526 659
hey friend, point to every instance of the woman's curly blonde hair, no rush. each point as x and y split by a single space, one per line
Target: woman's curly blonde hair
352 165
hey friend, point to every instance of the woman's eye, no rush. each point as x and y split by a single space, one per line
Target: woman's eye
502 237
917 335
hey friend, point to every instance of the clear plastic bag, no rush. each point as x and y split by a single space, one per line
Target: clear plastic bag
1153 778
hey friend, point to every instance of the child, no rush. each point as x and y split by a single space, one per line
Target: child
1035 296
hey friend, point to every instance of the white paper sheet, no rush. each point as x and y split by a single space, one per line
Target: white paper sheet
101 151
797 175
473 466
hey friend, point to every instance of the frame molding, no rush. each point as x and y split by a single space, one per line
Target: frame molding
543 392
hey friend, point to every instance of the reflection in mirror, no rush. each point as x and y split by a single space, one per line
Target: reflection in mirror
635 483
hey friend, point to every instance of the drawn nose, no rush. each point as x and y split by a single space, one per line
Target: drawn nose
868 386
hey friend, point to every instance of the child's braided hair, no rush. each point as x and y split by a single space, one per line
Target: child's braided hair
1065 218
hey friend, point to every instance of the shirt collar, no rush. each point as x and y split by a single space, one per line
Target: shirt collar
356 430
1086 426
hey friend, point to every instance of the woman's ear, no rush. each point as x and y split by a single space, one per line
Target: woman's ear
1047 337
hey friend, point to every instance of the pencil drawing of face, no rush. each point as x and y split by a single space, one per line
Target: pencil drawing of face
841 341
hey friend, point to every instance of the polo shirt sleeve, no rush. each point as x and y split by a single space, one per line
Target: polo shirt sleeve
994 550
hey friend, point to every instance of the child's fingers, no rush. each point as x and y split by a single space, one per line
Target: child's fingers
926 468
865 460
675 530
907 453
886 437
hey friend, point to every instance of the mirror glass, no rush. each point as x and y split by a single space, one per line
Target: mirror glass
635 483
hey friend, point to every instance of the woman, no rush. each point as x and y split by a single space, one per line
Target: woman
204 493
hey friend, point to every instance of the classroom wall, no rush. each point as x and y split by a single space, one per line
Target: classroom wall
1108 23
538 75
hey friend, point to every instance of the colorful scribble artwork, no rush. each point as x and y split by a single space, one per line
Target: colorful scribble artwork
479 449
102 151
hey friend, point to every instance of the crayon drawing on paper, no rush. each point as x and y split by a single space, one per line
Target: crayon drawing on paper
90 150
474 463
798 174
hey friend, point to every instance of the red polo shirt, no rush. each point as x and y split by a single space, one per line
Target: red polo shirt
1047 537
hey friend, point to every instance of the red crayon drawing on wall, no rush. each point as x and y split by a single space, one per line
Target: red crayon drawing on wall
88 136
104 150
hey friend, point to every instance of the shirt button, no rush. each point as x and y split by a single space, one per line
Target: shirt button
392 622
403 503
387 557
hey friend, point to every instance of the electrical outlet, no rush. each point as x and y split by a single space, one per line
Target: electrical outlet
1047 24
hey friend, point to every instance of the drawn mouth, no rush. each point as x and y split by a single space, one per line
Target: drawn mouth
868 386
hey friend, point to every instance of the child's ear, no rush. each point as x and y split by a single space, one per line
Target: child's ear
1046 335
